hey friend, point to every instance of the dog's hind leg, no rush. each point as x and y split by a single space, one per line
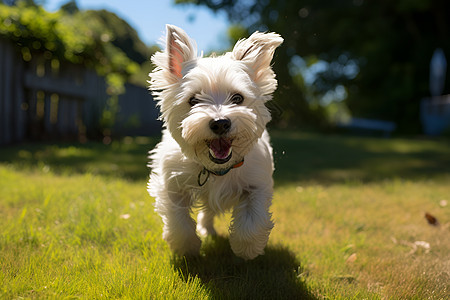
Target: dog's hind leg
205 222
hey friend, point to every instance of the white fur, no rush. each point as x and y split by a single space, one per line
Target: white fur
183 153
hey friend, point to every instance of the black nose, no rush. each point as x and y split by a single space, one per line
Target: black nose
220 126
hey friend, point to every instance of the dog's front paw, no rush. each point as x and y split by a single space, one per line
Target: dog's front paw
249 234
248 249
183 245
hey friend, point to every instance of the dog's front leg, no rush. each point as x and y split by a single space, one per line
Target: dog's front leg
179 227
251 224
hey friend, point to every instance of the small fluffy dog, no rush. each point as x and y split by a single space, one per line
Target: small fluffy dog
215 152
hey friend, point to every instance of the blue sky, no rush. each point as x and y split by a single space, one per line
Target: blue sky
150 17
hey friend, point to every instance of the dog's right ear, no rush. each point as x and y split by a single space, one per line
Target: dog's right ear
257 52
180 49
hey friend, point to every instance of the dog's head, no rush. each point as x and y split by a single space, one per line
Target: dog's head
214 107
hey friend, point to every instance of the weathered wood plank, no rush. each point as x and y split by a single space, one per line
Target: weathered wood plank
63 116
7 93
2 88
19 112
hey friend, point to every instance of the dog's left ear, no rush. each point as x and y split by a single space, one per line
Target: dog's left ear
180 48
257 51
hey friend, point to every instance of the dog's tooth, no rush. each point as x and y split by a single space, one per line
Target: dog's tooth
229 151
212 153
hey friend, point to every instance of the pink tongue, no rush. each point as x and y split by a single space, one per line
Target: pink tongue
220 147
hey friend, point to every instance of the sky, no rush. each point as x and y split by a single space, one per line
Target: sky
150 17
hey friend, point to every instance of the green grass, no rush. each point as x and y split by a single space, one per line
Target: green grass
76 222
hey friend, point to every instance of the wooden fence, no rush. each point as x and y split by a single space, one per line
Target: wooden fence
42 98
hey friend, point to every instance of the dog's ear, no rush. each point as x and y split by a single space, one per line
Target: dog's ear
257 51
180 49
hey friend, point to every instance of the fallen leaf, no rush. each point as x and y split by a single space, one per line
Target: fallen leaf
424 245
431 219
417 246
352 258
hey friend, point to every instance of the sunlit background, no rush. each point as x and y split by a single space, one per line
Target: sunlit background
150 17
349 66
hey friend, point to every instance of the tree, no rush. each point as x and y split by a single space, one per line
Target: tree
387 44
70 7
123 36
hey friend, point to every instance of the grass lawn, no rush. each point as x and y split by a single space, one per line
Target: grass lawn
76 222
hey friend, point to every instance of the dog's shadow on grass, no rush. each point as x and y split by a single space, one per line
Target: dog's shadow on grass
273 275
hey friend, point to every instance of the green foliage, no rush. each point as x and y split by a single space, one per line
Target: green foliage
76 38
237 32
141 76
390 42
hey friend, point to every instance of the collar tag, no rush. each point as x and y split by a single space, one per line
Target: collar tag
203 177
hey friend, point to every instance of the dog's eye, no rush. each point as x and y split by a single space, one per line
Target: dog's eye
193 101
237 99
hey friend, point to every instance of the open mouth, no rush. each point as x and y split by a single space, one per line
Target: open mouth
220 150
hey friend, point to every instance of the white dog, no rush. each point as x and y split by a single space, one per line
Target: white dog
215 152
